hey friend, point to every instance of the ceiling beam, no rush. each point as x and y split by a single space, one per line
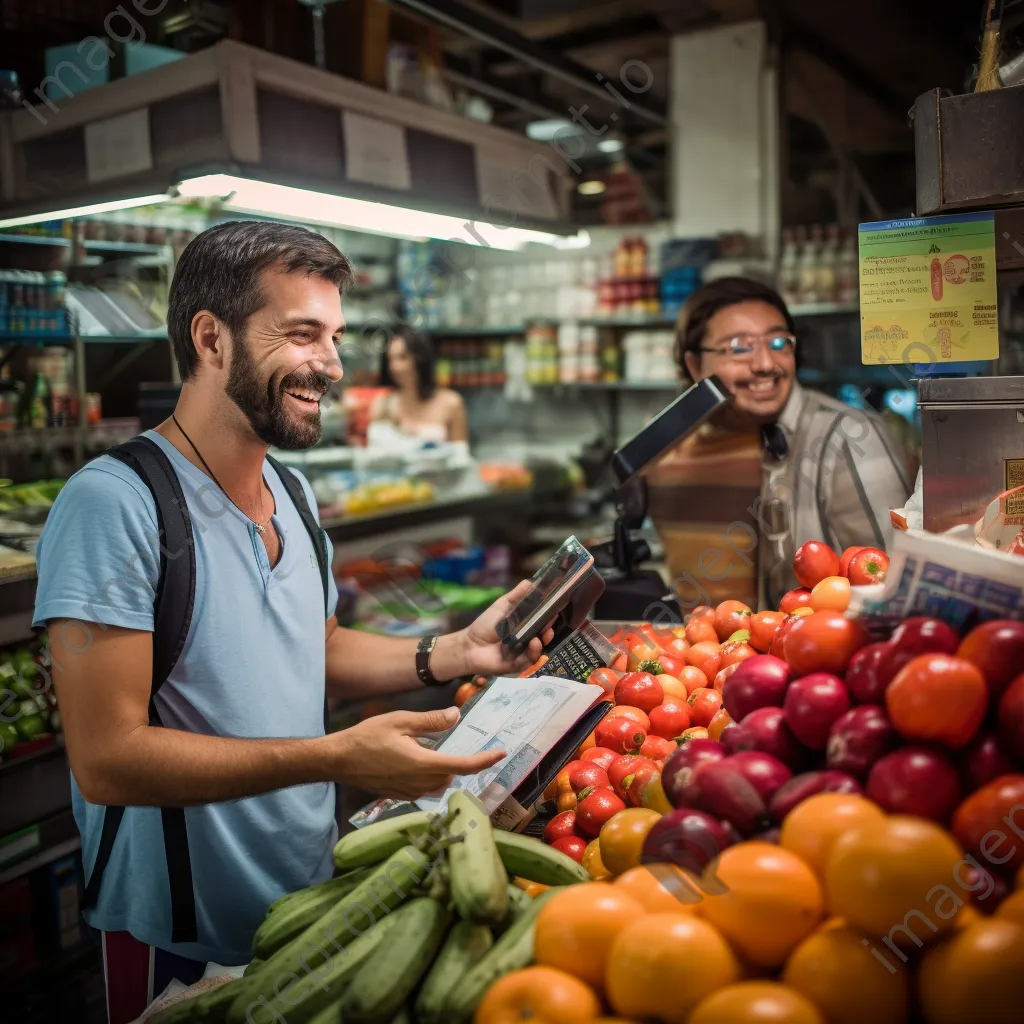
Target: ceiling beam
797 36
456 15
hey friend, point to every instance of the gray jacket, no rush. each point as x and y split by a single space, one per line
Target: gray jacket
841 476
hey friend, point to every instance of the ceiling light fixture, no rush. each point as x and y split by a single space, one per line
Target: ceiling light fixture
594 187
552 128
83 211
299 204
611 145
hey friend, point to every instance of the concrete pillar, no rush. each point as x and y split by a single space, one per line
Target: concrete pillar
724 134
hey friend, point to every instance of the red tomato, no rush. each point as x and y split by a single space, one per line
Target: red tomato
599 755
731 616
700 631
562 778
596 809
724 674
560 825
657 748
571 846
846 557
763 627
991 809
606 678
734 652
704 705
650 631
636 783
799 598
626 766
695 732
700 612
813 561
692 677
633 638
869 565
638 716
641 653
671 664
832 594
822 642
706 656
619 734
677 646
587 776
936 698
670 718
779 641
639 690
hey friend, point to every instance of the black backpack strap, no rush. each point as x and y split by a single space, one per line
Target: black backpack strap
298 496
172 617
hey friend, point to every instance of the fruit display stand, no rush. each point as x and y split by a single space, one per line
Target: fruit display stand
781 818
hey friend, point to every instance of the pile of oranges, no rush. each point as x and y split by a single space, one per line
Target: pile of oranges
854 917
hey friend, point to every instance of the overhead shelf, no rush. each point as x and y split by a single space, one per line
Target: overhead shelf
90 244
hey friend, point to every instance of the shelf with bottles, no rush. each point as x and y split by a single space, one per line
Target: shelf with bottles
104 245
819 268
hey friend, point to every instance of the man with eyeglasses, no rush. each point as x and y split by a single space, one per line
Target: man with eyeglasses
781 465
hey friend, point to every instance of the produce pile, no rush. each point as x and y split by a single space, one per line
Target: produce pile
421 920
30 717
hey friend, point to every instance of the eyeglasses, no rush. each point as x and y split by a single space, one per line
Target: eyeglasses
744 345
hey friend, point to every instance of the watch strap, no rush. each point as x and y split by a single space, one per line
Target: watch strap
423 651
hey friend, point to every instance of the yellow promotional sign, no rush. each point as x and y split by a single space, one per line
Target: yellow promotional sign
928 290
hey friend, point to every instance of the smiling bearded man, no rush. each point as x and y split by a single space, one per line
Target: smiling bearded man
186 586
780 465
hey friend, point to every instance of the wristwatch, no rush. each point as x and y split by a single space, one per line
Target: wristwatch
423 651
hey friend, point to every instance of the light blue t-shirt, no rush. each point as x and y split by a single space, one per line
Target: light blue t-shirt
252 666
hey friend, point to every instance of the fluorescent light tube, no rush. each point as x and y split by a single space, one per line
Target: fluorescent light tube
299 204
83 211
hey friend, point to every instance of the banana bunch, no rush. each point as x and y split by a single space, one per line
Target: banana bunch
419 923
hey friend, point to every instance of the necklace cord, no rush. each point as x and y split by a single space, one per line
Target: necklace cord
199 455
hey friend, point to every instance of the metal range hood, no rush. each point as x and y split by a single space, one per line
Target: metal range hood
239 121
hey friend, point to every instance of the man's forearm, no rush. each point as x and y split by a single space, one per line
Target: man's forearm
161 767
363 665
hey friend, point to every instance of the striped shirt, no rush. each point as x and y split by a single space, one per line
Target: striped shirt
700 496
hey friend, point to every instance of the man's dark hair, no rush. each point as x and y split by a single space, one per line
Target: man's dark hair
420 347
220 269
705 302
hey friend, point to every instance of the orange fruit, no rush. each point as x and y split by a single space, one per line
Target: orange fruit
832 594
751 1002
1012 908
592 862
622 838
765 902
717 724
836 970
538 993
576 928
878 874
663 965
977 974
660 888
810 829
671 686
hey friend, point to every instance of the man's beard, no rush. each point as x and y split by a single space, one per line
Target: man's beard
263 402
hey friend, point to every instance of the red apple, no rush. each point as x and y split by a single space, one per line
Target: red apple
983 760
859 738
679 768
765 773
997 648
915 780
864 678
727 794
812 704
757 682
765 730
800 787
1011 719
688 838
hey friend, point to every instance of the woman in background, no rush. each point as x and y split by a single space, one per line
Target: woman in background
416 405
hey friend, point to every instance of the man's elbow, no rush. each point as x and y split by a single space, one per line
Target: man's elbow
100 781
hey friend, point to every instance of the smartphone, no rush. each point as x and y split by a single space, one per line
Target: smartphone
674 423
552 591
